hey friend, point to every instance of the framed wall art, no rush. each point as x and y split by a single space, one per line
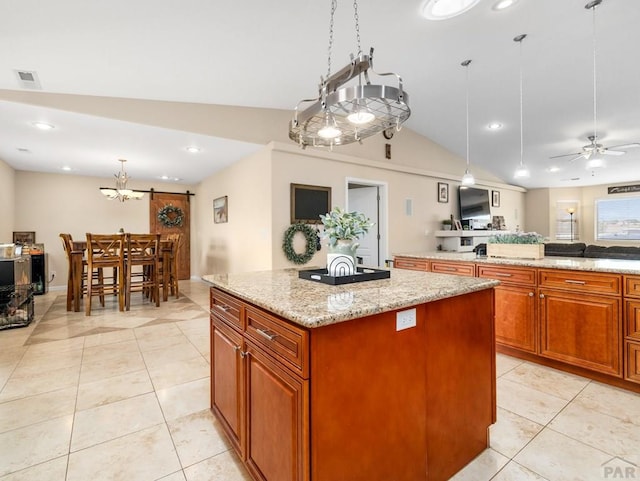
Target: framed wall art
443 192
28 238
308 202
220 210
495 198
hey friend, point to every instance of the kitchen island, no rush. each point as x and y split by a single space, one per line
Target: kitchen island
391 379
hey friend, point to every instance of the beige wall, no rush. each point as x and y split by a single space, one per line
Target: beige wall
538 211
7 200
244 242
53 203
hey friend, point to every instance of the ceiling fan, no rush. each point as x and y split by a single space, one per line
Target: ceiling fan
593 150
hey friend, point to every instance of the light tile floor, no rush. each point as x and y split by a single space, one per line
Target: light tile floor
125 396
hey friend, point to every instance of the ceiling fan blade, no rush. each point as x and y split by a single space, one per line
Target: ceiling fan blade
625 146
565 155
581 156
612 152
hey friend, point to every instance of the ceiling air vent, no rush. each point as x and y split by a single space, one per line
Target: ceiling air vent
28 79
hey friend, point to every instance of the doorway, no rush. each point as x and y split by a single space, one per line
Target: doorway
370 198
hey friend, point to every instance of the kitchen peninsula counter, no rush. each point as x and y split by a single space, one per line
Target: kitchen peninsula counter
377 380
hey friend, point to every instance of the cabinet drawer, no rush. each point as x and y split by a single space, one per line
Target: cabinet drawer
580 281
632 319
508 274
410 263
284 341
226 308
631 286
632 371
458 268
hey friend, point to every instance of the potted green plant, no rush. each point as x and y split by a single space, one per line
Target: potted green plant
343 228
446 224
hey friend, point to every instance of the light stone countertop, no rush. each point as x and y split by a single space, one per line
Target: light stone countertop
314 304
616 266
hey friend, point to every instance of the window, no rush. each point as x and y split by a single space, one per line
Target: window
566 223
618 219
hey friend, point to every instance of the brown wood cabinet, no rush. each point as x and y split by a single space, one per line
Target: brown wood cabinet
449 267
582 321
632 328
359 400
516 306
411 264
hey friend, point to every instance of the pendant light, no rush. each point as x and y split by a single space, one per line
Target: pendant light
349 107
467 178
121 192
522 172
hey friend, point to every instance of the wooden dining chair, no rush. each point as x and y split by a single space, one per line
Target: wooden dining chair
74 255
105 251
142 260
169 273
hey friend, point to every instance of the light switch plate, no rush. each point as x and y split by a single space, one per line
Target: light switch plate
405 319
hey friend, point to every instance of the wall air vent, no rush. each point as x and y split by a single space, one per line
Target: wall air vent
28 79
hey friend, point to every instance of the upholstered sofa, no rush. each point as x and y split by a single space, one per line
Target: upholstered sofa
580 249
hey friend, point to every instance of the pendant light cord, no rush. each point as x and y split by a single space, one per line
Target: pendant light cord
356 17
519 39
334 6
595 108
466 64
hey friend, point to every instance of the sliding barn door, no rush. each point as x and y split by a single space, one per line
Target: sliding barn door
157 203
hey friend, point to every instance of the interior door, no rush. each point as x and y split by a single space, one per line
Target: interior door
159 201
365 199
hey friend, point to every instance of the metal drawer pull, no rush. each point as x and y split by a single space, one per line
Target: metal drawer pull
503 274
406 264
267 335
222 307
451 269
531 294
244 354
580 283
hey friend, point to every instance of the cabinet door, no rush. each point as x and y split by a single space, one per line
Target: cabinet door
458 268
632 320
277 420
411 263
515 313
227 381
581 329
633 361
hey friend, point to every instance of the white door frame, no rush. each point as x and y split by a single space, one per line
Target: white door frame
383 209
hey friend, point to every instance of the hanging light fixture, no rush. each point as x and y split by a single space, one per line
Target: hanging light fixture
345 112
522 172
121 192
467 178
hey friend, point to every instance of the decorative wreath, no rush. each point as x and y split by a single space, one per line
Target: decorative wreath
171 216
311 238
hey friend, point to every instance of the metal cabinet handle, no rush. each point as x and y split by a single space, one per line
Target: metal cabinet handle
222 307
571 281
531 294
406 264
244 354
266 334
236 348
503 274
450 269
541 296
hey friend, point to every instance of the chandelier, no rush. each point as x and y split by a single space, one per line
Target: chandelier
344 111
121 192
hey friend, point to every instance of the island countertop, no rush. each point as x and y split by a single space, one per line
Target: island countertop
313 304
615 266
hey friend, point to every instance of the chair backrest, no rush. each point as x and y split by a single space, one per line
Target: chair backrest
66 244
105 250
143 248
175 240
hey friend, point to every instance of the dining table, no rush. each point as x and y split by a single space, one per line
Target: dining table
78 257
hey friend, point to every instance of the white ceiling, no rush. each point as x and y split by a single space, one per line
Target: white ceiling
271 53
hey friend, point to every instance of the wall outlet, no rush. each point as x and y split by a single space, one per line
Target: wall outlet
405 319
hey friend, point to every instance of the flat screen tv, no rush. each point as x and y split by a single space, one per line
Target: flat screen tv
475 207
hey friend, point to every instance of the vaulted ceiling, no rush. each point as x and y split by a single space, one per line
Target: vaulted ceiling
271 54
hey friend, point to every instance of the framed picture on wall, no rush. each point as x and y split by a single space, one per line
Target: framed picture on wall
220 210
443 192
27 238
495 198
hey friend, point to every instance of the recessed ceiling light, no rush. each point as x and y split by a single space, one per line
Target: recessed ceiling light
193 149
443 9
494 126
66 168
502 4
43 125
553 168
172 179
